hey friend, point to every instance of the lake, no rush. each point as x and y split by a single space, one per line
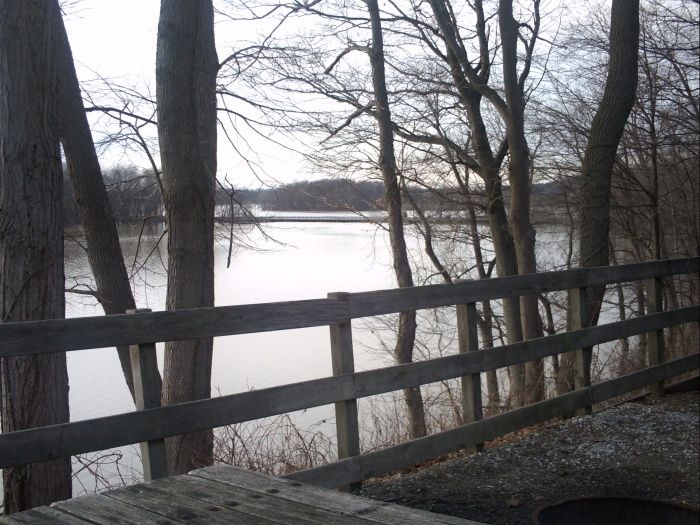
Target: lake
285 261
288 261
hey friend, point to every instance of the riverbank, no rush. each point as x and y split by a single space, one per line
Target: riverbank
647 448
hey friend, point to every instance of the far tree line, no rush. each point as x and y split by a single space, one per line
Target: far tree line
134 196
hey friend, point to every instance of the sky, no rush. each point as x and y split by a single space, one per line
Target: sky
114 38
117 40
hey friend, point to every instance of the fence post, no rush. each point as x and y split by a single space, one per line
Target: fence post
468 341
147 391
582 356
346 420
655 339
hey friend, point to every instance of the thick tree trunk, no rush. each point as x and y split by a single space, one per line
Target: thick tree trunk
403 352
186 68
103 249
606 131
519 176
34 389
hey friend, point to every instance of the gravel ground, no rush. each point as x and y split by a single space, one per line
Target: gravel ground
647 448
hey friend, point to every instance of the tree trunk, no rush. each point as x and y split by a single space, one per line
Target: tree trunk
403 352
506 264
103 249
501 235
606 131
519 176
35 388
471 86
186 68
493 404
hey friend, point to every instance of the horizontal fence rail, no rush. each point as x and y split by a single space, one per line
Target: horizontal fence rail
58 335
37 337
149 425
378 462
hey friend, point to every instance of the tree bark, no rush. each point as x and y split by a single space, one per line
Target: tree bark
486 322
506 264
186 68
519 177
34 389
403 352
103 249
606 131
471 86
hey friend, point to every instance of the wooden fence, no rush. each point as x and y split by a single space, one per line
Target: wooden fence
151 423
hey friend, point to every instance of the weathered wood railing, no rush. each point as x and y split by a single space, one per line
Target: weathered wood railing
151 423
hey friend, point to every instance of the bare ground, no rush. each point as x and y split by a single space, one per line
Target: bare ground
648 448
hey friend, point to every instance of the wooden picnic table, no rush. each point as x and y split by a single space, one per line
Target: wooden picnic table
226 495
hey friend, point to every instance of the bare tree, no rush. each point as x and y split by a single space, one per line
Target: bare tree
34 388
605 134
655 190
513 237
519 175
186 68
659 144
103 249
403 351
442 93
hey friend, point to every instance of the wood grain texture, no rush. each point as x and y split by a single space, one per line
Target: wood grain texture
261 505
38 337
320 498
578 316
343 362
381 302
180 507
100 509
147 390
42 516
655 339
226 495
468 341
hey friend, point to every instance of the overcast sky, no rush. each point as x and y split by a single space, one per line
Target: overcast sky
117 40
114 38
